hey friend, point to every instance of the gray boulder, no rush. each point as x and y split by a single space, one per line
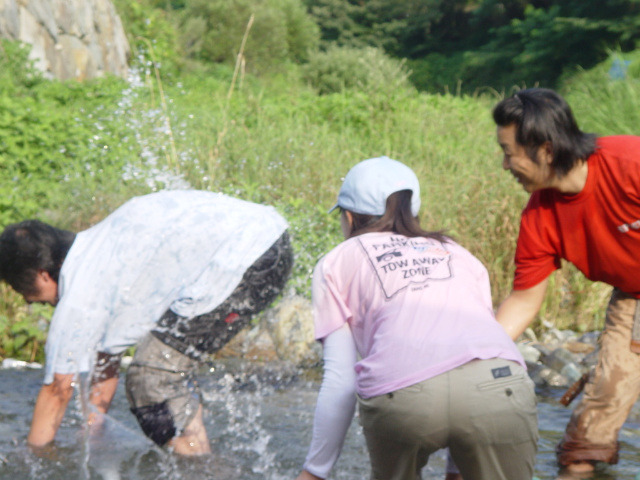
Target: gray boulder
69 39
284 333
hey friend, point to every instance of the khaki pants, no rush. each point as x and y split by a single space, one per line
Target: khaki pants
484 411
612 389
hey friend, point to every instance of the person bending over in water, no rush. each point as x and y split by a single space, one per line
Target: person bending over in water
584 208
406 322
176 273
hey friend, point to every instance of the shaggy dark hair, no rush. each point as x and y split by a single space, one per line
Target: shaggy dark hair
541 115
30 246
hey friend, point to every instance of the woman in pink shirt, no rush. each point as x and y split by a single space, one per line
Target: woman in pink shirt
408 332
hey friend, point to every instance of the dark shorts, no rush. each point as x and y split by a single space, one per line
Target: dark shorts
161 383
208 333
162 389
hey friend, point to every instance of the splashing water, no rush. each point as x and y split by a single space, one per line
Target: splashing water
259 421
149 127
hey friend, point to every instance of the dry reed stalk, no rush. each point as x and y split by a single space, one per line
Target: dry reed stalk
239 67
240 57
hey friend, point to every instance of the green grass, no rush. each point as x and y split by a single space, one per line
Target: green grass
276 141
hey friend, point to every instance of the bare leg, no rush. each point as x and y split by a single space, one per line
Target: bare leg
193 440
580 467
568 474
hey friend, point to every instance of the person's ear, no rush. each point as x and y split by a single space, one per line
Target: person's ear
349 216
346 223
44 276
545 153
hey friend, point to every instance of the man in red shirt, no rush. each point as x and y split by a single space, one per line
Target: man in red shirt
584 208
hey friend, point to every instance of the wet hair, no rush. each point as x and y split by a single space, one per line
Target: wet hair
30 246
541 115
397 218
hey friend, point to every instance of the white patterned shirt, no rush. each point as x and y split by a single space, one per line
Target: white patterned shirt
179 250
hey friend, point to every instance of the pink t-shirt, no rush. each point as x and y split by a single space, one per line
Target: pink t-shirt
416 308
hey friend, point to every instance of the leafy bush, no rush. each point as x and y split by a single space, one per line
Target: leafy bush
62 144
368 70
23 330
152 36
437 73
17 73
49 146
282 30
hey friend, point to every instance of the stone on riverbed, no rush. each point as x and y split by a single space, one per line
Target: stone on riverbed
291 328
544 376
252 343
564 357
529 352
284 333
554 358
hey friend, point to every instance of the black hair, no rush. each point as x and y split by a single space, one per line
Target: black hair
541 115
397 218
28 247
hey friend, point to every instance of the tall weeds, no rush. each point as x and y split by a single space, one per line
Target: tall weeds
279 142
292 150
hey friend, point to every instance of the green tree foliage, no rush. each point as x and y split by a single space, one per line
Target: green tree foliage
404 28
338 23
490 14
544 44
480 43
282 30
169 4
461 45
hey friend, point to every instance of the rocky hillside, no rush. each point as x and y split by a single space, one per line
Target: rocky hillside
70 39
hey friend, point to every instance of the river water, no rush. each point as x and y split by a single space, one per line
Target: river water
259 422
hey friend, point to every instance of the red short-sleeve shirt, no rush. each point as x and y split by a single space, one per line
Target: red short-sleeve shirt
598 229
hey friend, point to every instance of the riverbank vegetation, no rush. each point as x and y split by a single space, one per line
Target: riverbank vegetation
280 124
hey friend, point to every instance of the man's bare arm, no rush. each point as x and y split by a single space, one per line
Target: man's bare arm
520 308
49 411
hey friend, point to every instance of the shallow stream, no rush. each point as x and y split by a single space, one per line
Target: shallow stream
259 423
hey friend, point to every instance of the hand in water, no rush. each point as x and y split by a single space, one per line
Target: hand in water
48 451
95 423
304 475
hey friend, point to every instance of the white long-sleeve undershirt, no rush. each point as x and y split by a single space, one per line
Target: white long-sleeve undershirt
336 402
